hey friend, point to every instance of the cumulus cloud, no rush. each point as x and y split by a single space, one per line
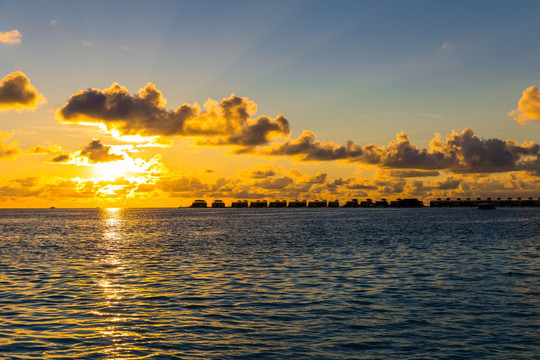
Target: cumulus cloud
92 153
228 122
528 109
461 152
16 93
10 37
96 152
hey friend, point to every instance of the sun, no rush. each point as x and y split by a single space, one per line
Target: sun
115 169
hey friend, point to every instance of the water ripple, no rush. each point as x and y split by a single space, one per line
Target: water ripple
269 284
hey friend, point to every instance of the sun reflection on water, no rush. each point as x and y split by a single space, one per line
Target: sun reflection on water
116 292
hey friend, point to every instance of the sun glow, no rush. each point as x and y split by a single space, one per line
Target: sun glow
115 169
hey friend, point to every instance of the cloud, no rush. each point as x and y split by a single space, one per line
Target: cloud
40 149
447 45
10 37
87 43
92 153
528 109
96 152
274 183
461 153
262 173
16 93
410 173
228 122
62 158
8 151
53 24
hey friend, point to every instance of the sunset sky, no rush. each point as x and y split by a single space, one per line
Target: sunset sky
146 104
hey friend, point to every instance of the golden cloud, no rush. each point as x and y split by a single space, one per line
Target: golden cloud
528 109
40 149
8 151
16 93
228 122
10 37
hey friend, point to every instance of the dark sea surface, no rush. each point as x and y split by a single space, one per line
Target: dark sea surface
270 284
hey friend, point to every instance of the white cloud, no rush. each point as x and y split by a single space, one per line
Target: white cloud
447 45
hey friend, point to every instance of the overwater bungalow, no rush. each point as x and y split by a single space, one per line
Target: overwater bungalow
519 202
366 204
258 204
277 203
407 203
351 203
317 204
218 204
333 204
199 204
239 204
297 203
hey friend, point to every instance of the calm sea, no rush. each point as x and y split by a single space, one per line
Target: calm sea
270 284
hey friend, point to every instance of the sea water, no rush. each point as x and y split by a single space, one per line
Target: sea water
270 284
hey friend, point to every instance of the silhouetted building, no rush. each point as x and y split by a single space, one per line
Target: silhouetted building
407 203
218 204
277 204
297 204
317 204
258 204
333 204
199 204
351 203
239 204
366 204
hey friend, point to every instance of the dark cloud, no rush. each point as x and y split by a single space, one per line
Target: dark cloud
228 122
449 183
475 155
96 152
262 174
60 158
16 93
412 173
461 153
320 178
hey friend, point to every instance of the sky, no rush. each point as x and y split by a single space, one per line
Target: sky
155 104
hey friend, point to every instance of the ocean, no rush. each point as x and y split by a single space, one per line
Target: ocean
270 283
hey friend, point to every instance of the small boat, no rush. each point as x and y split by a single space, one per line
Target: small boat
486 206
